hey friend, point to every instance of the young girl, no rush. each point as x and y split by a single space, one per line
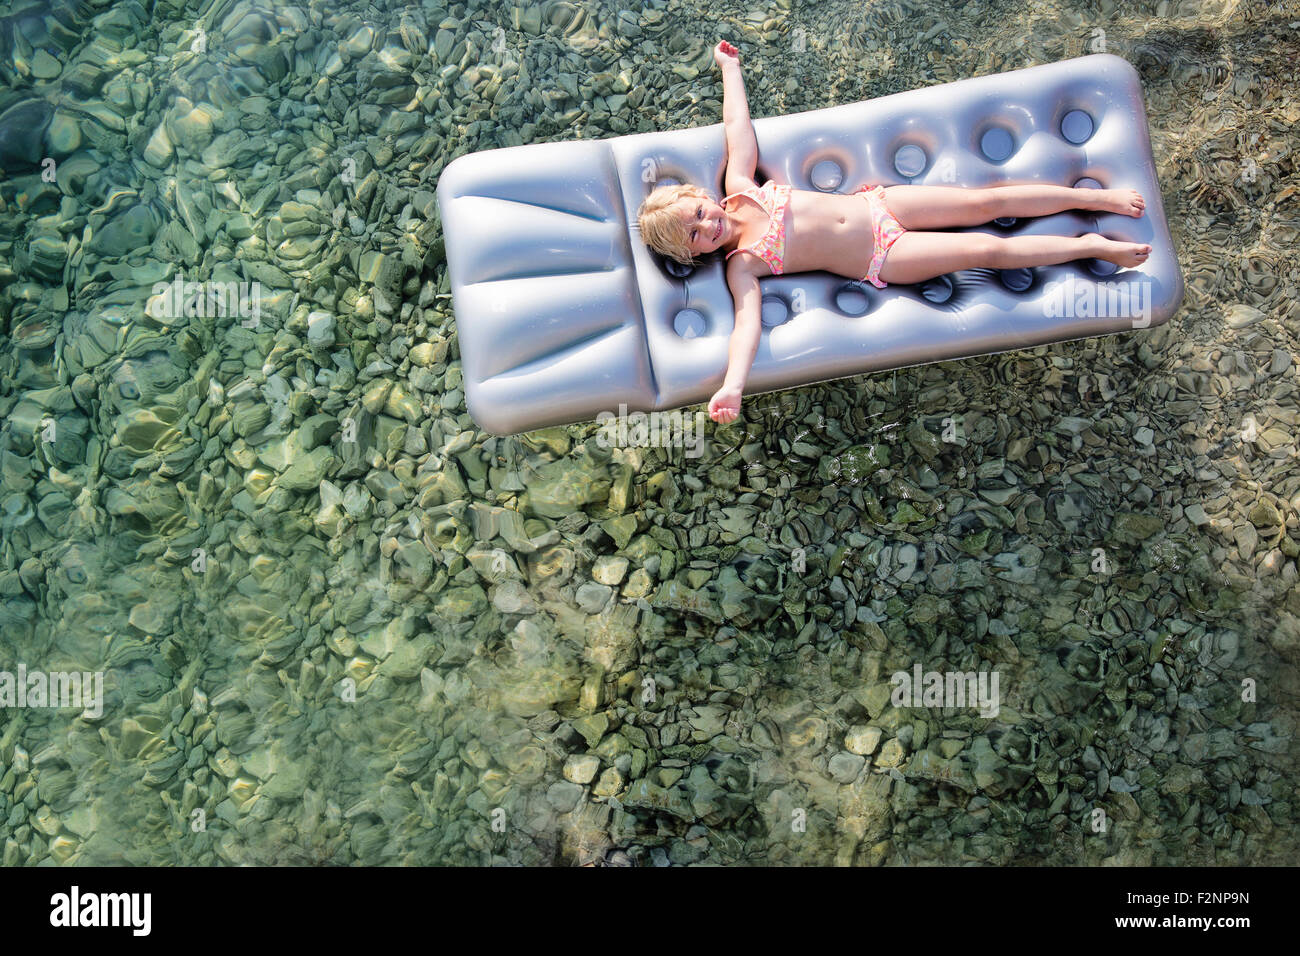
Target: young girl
881 239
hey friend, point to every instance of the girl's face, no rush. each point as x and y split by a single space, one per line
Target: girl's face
707 224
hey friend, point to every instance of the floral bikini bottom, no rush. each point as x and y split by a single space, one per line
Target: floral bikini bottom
887 230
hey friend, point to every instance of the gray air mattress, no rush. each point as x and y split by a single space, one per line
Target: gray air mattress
563 312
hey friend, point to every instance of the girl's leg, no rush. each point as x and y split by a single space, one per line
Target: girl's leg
943 207
1041 199
917 256
939 207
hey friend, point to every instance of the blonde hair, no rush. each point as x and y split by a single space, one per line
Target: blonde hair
661 229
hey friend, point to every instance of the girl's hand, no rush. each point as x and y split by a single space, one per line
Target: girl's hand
724 407
725 53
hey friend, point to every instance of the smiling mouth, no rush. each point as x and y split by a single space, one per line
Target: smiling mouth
719 232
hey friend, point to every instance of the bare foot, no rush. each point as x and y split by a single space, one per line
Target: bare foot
1127 254
1126 202
724 407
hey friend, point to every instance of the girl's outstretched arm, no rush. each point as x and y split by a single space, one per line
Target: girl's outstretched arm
724 406
742 145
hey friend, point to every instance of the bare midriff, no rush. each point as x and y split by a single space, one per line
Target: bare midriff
829 232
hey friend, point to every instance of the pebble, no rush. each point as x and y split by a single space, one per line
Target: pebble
581 768
512 597
906 561
593 597
609 569
320 329
44 66
862 739
845 767
22 126
1242 316
563 795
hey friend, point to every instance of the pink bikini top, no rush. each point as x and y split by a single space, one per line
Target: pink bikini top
770 248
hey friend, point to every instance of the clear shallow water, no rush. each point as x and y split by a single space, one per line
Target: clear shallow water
404 649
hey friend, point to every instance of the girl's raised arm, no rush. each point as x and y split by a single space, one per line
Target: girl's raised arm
742 145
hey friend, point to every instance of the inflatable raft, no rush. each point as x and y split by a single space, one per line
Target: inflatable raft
564 313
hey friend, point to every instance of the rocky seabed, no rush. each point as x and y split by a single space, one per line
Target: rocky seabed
338 624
